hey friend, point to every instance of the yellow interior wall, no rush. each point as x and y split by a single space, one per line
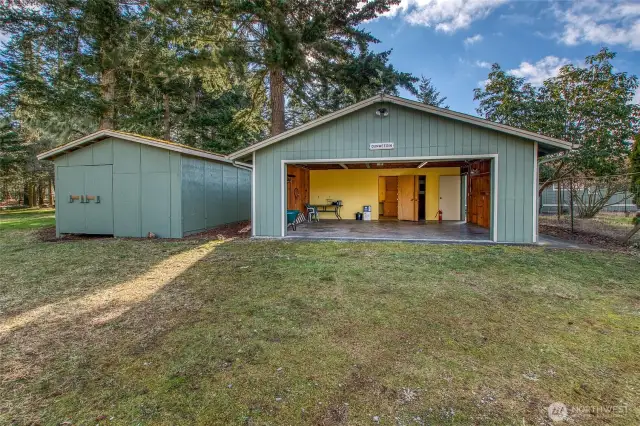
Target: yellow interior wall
357 188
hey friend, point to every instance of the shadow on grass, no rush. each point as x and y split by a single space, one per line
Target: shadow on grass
38 345
326 333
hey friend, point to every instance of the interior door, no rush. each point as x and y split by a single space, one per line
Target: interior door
391 196
449 197
408 198
70 205
98 190
479 206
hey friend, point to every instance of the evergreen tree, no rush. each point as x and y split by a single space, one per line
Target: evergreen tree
290 43
358 77
428 94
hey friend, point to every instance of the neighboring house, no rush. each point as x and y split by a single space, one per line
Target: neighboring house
128 185
620 202
406 160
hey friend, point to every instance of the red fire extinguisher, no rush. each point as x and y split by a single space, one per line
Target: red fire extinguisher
439 216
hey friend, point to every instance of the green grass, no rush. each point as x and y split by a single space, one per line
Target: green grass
618 220
247 332
29 218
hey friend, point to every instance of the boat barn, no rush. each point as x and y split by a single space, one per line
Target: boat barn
401 166
126 185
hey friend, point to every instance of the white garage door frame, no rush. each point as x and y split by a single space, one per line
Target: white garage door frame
494 178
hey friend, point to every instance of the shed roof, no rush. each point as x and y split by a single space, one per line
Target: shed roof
551 144
132 137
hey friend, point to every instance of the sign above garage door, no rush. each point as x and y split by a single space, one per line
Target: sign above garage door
380 145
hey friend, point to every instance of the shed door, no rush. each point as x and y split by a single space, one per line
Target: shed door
98 182
81 211
71 216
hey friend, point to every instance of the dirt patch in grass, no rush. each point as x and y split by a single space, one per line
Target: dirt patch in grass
604 231
222 232
229 231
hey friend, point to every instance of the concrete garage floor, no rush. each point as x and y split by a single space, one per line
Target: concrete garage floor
396 230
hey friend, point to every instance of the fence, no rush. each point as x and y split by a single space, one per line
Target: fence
583 198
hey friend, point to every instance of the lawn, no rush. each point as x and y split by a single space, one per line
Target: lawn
26 218
117 331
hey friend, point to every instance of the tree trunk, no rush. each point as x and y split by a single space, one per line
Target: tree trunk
32 195
52 201
40 194
559 201
108 93
166 122
276 93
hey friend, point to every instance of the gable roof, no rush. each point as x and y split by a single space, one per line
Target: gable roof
552 143
131 137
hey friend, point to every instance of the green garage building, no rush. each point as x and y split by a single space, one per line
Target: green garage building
403 164
127 185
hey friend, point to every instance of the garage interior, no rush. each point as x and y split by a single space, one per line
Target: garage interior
405 205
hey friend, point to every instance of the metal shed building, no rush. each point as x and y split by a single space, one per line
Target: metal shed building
406 161
127 185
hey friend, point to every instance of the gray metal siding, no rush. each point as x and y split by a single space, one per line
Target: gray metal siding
144 182
415 134
213 194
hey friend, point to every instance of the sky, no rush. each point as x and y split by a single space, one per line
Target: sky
454 42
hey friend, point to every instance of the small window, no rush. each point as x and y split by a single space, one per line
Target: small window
554 187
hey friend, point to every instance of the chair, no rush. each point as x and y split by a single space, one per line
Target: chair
291 218
312 212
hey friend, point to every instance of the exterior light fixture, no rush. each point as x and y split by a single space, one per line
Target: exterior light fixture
382 112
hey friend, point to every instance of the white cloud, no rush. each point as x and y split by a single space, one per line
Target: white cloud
483 64
537 73
600 22
447 16
473 40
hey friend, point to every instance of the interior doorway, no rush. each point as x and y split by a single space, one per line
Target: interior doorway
388 196
402 197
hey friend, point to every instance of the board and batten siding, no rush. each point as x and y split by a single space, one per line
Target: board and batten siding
213 194
414 133
142 178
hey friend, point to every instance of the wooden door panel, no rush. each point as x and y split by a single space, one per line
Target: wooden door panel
390 209
479 203
407 198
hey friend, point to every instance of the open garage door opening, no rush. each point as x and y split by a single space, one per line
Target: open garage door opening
443 199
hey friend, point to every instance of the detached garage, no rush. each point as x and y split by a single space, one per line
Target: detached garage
126 185
409 170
